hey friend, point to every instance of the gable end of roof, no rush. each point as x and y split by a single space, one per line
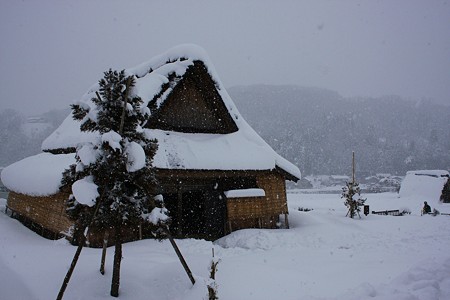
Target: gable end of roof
192 104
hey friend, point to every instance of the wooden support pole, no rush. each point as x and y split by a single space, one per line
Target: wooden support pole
72 267
353 167
115 282
180 212
82 240
105 246
180 257
286 220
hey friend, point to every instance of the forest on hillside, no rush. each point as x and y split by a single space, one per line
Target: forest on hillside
317 129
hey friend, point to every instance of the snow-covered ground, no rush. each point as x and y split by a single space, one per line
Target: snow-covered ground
323 256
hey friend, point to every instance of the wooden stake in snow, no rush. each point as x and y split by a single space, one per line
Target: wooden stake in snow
212 286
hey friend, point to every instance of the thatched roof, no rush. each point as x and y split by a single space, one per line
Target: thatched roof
197 125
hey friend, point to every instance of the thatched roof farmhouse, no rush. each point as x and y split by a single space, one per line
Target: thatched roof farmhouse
215 172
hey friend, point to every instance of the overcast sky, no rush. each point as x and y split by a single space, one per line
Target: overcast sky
51 52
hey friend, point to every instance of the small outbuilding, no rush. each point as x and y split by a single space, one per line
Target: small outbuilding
428 185
215 172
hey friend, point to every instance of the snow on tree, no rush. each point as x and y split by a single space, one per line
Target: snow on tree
351 193
113 179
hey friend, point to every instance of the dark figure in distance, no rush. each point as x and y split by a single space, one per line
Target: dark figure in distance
426 208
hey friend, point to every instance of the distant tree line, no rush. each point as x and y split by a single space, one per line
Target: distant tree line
318 129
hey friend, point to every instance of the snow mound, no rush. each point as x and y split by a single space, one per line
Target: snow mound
325 256
252 239
426 281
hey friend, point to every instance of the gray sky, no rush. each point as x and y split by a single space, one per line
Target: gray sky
51 52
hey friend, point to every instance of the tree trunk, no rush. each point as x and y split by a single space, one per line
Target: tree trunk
117 260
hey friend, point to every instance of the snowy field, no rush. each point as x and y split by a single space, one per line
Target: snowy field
323 256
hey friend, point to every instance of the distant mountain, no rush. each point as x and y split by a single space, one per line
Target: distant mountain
317 129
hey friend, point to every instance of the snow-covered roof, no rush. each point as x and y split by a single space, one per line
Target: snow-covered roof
424 184
244 193
241 150
432 173
38 175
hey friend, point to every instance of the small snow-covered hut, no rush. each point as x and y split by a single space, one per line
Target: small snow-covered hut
215 172
428 185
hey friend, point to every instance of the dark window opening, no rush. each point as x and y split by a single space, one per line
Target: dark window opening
237 183
199 213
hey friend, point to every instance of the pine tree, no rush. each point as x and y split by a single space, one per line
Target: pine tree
118 164
350 193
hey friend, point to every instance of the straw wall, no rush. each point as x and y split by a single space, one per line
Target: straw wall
49 212
275 187
259 212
